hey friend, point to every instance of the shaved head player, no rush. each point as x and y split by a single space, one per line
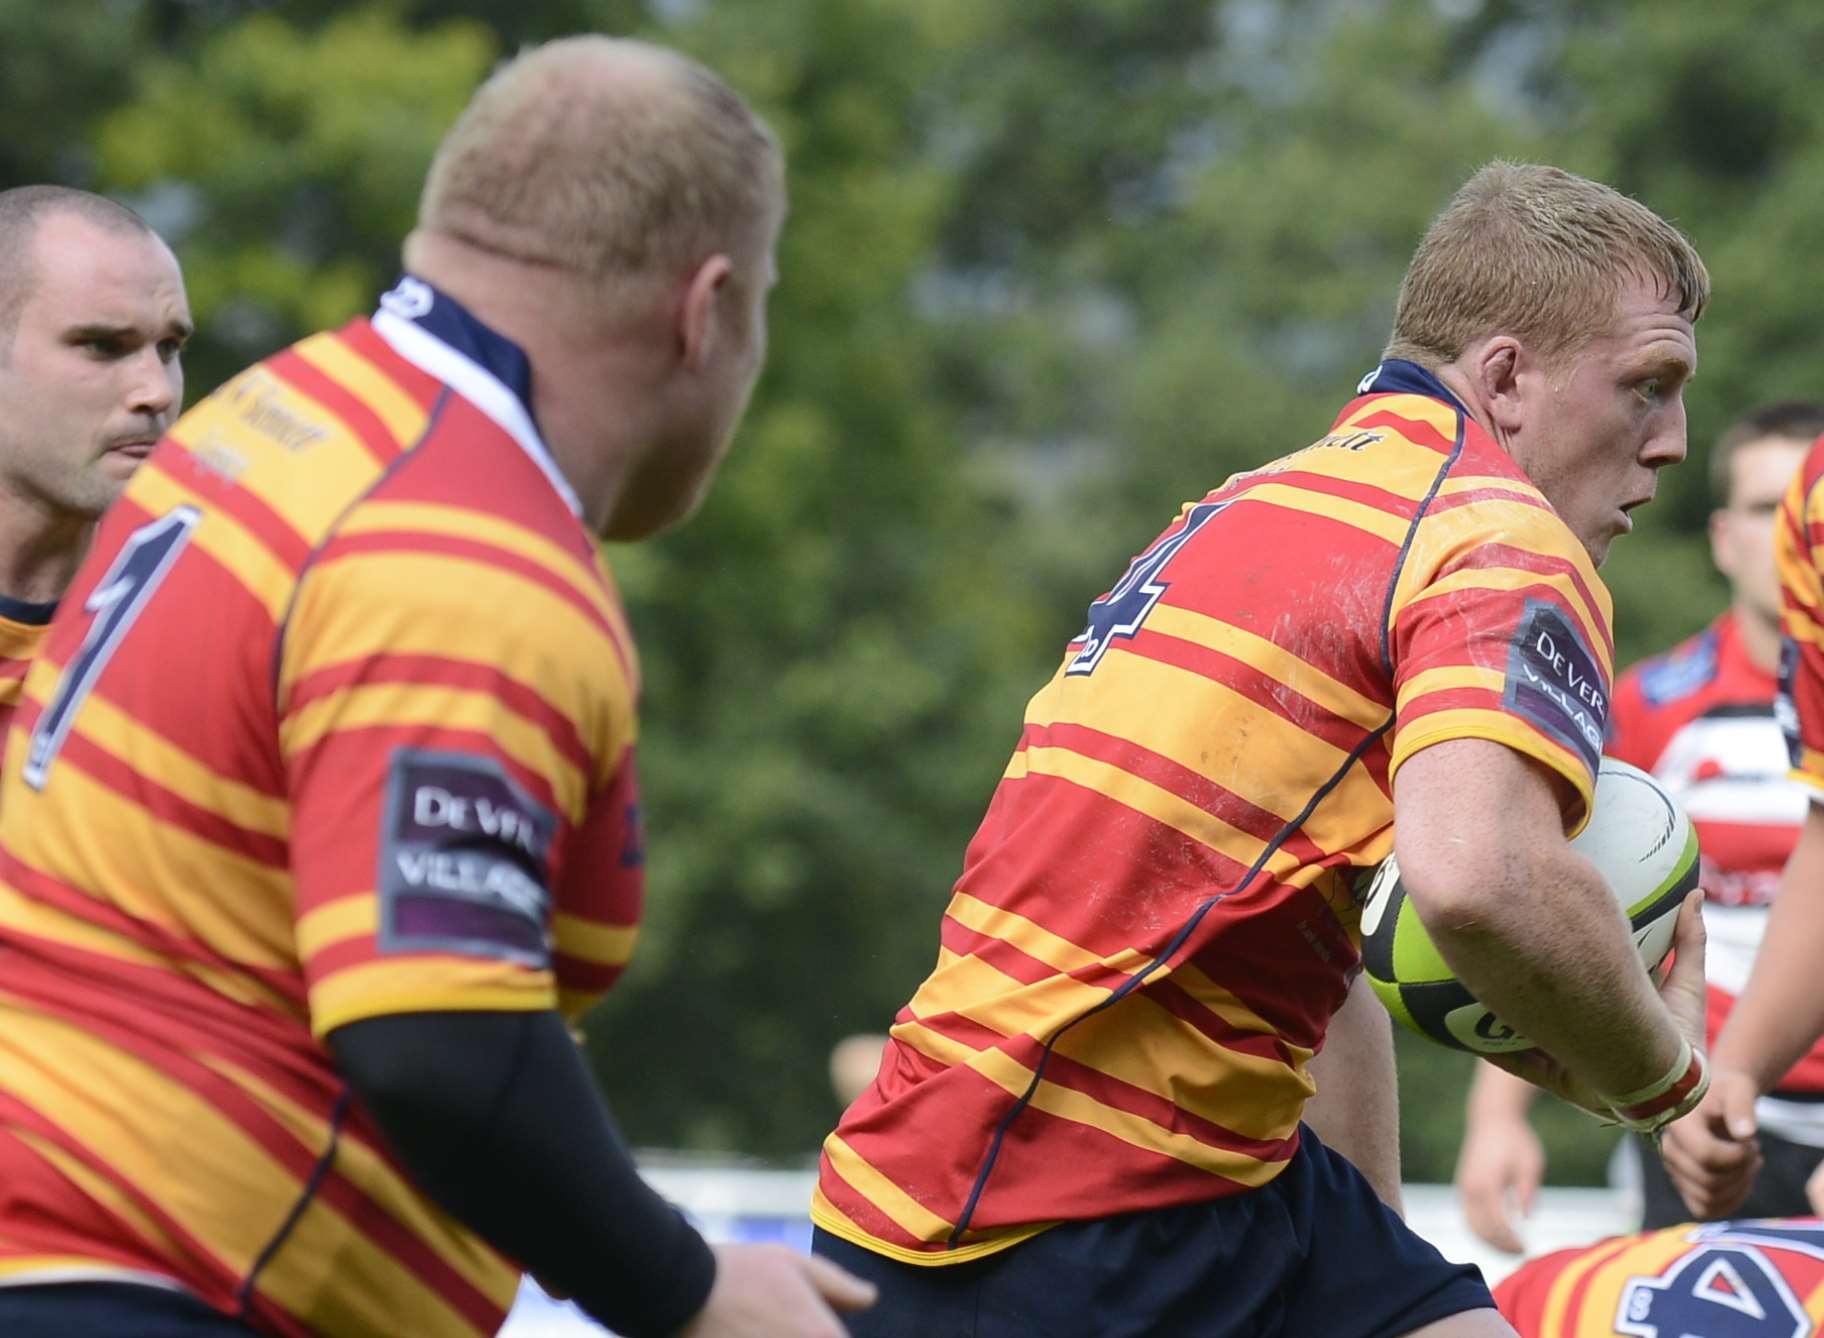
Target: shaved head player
93 321
326 820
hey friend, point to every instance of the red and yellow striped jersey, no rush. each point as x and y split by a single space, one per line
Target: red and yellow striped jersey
337 721
23 626
1744 1279
1798 548
1155 921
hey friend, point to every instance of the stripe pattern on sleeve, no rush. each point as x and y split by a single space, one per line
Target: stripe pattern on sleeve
1155 919
368 748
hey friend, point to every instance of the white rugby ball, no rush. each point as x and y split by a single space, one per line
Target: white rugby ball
1637 836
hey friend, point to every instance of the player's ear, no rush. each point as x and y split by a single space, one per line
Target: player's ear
1497 367
1722 552
700 315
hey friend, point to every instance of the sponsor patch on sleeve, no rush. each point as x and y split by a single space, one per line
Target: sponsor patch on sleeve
1553 682
464 861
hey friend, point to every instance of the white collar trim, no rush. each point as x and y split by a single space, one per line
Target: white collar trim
479 387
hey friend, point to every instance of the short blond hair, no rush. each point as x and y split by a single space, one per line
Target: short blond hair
607 157
1535 252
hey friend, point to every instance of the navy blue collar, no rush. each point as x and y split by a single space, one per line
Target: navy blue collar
437 313
1400 377
25 611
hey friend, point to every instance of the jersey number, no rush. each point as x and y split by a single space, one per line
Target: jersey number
122 592
1725 1291
1121 611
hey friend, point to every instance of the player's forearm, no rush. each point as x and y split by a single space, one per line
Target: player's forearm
497 1120
1523 921
1781 1012
1356 1109
1536 936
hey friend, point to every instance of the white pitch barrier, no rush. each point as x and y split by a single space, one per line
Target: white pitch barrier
727 1203
745 1203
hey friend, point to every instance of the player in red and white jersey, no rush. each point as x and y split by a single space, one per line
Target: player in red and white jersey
1780 1012
93 320
1701 718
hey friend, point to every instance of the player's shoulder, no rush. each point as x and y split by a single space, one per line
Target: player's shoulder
1678 674
474 519
1482 500
458 523
1398 441
1803 502
1393 436
467 461
1472 487
286 445
1811 470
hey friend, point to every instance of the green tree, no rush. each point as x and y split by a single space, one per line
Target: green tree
1051 270
59 66
826 682
289 161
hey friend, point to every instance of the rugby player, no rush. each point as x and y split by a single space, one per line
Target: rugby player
1087 1119
93 322
324 815
1780 1014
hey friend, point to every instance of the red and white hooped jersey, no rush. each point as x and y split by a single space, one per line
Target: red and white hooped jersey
1701 718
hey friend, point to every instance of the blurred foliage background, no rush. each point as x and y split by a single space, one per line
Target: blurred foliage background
1052 269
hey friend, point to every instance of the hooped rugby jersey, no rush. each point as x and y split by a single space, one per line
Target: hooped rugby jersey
1798 549
1752 1278
1701 718
337 722
1154 923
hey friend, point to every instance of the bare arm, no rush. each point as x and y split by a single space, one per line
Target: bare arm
1712 1156
1781 1012
1502 1161
1356 1110
1527 924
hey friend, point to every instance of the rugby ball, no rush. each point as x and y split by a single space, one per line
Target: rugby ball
1637 836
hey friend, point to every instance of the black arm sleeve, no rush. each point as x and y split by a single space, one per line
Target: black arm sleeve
497 1120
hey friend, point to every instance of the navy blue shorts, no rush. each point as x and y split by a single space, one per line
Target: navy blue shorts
111 1310
1313 1254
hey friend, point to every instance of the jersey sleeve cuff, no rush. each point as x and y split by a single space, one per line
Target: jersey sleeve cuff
1561 762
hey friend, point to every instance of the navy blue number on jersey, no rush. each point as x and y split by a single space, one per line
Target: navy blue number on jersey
1725 1291
115 602
1120 612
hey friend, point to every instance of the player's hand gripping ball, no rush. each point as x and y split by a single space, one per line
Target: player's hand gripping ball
1637 836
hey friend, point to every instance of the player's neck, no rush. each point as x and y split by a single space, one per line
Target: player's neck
597 353
1760 637
39 550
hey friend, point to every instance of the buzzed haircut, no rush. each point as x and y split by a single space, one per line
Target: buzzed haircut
1538 253
1798 421
22 209
606 157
